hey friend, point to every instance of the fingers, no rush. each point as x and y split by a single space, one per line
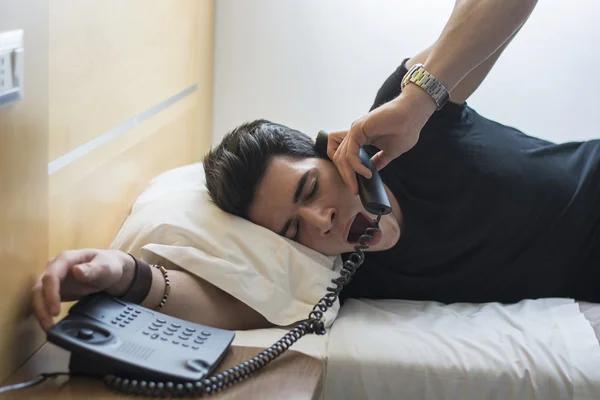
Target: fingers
346 156
381 160
39 308
56 271
51 293
334 139
345 169
46 293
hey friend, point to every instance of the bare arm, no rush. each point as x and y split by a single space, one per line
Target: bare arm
473 80
196 300
77 273
476 31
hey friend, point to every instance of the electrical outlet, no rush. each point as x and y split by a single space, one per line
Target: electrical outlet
6 72
11 67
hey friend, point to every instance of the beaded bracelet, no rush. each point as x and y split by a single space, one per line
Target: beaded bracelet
163 301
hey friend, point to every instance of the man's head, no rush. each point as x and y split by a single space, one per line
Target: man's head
272 175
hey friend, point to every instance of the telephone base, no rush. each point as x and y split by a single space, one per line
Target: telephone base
85 366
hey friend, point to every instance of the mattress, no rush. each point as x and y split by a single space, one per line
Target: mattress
536 349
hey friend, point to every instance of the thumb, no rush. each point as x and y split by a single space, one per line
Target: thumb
381 160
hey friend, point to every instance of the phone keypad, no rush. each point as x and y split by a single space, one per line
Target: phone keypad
126 316
178 335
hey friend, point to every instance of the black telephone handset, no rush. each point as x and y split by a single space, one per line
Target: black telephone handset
143 352
371 191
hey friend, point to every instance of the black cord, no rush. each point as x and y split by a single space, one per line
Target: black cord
314 324
41 378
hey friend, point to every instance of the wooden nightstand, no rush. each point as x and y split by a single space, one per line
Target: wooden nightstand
293 376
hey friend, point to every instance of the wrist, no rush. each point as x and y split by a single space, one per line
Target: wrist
422 101
127 275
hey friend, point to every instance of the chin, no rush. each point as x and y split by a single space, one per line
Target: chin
390 234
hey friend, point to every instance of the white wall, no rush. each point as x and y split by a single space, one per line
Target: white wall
316 64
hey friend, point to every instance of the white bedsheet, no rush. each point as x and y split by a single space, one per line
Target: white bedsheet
536 349
392 349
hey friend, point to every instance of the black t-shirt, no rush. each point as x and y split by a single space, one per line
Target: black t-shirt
490 214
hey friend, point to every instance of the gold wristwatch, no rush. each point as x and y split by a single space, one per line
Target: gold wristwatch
420 77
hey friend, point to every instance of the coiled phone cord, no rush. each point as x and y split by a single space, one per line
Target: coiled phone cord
215 383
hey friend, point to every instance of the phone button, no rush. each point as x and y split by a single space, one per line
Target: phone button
85 334
154 336
206 333
176 325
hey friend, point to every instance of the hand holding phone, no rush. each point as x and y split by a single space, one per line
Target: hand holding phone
394 128
370 187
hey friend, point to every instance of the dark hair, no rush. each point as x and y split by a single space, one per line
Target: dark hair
236 166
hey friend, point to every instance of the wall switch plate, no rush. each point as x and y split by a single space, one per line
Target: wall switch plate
11 67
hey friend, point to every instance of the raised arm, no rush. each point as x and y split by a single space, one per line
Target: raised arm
475 35
476 30
474 79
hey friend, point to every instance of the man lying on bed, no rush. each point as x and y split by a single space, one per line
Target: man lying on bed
481 212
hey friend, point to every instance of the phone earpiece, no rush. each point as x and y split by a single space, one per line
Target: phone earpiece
371 191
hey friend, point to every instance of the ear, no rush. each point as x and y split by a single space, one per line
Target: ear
314 140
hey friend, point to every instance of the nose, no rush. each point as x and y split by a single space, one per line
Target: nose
320 217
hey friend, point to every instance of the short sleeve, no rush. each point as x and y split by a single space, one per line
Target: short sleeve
390 89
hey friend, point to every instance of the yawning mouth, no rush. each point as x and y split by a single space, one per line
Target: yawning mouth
358 228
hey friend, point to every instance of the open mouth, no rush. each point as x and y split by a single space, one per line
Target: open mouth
358 228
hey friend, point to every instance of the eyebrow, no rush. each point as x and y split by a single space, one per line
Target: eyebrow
297 194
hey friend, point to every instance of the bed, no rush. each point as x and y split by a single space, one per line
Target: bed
535 349
377 350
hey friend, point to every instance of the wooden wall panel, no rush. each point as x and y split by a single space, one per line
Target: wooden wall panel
90 67
23 184
90 198
113 59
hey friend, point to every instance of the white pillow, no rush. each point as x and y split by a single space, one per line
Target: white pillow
175 220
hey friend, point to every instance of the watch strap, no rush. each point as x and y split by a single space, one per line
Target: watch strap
420 77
